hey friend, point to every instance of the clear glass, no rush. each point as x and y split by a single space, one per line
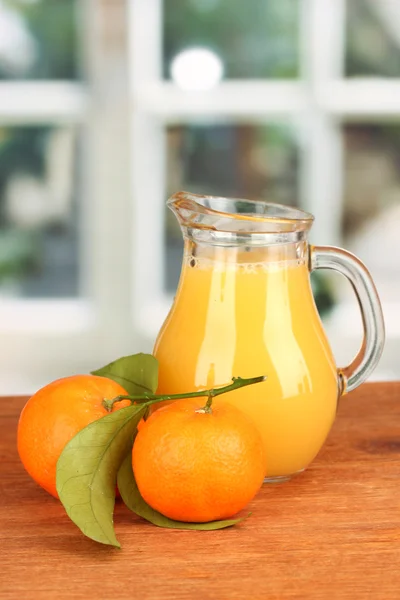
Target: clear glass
254 161
39 187
372 38
244 307
39 39
253 39
367 296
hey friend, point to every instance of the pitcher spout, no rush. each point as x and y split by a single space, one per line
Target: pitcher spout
223 218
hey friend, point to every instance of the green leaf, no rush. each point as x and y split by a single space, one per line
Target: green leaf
137 373
131 496
87 471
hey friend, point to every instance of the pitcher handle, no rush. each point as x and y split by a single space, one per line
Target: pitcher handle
327 257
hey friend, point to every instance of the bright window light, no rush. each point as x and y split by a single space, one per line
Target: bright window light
197 69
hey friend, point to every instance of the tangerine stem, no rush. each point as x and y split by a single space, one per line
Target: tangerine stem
207 407
237 382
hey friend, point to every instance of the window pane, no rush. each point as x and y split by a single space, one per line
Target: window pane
372 202
247 161
253 39
373 38
38 212
38 39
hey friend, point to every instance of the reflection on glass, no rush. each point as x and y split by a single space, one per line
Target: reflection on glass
247 161
253 39
38 39
371 217
373 38
38 212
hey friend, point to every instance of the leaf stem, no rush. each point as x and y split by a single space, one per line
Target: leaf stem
149 399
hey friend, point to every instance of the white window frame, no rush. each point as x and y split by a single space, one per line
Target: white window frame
48 338
317 104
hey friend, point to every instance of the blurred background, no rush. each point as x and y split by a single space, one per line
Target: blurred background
109 106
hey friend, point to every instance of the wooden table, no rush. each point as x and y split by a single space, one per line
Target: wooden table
333 532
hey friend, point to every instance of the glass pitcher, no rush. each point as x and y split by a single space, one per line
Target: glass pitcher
244 307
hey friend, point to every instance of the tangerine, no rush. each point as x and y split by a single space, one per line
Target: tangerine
198 464
54 415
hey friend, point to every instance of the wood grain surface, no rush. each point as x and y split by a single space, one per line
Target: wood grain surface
333 532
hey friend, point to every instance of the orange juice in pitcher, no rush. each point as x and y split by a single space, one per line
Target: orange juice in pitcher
244 307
